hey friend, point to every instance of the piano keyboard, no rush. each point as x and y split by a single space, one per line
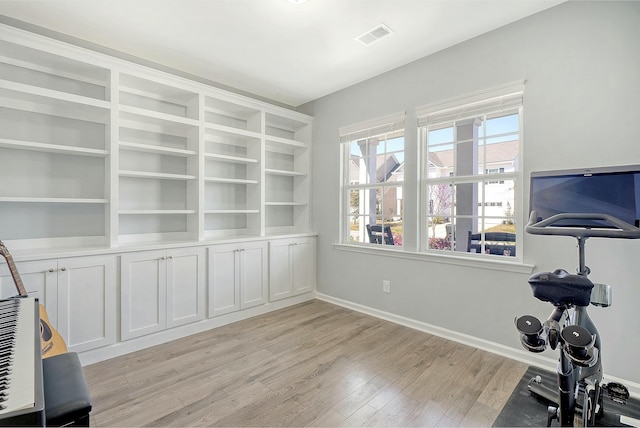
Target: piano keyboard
17 354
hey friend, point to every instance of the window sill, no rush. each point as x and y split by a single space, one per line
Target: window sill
480 262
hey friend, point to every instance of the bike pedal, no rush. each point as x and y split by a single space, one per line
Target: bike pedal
618 392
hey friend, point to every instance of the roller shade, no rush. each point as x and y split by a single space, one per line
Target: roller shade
372 128
488 101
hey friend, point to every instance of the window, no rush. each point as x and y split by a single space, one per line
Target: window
373 178
471 173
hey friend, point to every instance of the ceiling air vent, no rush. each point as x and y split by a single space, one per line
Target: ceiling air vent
374 35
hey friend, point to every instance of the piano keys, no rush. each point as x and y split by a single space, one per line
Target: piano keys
21 385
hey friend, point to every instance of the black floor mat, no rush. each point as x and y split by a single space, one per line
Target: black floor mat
525 410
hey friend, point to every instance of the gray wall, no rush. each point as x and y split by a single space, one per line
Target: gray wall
581 61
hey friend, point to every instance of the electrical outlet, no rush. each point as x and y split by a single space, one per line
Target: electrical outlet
386 286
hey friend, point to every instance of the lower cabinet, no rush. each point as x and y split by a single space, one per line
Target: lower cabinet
161 289
291 267
79 295
237 276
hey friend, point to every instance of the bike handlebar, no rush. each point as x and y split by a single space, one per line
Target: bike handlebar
615 227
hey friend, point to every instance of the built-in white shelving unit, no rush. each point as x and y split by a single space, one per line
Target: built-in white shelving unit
97 151
158 160
232 168
166 205
54 133
286 174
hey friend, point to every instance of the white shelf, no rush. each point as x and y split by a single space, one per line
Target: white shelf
158 175
213 128
230 180
51 148
285 204
285 142
285 173
232 211
57 68
159 92
47 102
224 114
38 91
232 159
227 109
149 148
154 116
53 200
154 212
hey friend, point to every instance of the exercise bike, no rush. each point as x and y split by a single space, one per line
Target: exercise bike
578 396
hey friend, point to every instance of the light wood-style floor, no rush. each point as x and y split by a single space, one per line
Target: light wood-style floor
313 364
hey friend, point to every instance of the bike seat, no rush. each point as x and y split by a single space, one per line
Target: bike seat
561 288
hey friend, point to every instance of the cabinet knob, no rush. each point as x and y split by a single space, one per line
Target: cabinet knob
52 270
170 257
163 258
63 269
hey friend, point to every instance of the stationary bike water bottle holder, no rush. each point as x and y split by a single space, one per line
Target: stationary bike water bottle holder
530 329
578 345
577 341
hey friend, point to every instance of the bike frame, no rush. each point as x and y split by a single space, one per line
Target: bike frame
570 375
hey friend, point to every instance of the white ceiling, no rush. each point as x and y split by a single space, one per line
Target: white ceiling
272 48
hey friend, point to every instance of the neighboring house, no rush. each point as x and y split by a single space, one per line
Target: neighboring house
498 202
388 170
500 157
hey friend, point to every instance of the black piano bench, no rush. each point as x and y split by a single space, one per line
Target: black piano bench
66 396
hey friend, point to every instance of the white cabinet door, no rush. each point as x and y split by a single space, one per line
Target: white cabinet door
40 280
237 277
185 286
303 256
143 293
224 290
161 289
253 277
79 295
291 267
87 302
280 281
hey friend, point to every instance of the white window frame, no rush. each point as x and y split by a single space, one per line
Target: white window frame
494 101
362 131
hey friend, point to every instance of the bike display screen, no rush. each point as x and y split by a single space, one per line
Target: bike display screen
614 191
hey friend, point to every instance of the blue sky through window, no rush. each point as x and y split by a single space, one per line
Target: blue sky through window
509 124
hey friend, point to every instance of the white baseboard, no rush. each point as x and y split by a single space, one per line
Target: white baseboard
521 355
